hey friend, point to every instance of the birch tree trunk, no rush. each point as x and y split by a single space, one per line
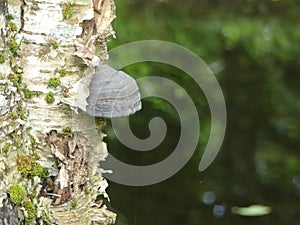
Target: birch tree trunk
49 156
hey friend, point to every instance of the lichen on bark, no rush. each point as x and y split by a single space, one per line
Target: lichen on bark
52 163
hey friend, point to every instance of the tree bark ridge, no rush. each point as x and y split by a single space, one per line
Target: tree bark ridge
53 39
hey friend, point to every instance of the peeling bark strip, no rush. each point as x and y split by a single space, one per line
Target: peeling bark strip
49 48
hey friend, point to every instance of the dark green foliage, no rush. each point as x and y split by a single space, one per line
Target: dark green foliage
256 45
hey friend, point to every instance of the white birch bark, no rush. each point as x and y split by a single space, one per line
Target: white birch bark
54 37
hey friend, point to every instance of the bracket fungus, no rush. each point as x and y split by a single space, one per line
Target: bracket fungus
112 94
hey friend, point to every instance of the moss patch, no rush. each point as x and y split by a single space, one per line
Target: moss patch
68 11
28 166
63 72
10 17
14 115
13 46
2 58
73 203
5 149
67 129
15 78
31 211
54 82
55 44
12 26
50 97
27 93
17 193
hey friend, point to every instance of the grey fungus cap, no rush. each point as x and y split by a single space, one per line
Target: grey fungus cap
112 94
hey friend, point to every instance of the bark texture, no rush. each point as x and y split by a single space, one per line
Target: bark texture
50 53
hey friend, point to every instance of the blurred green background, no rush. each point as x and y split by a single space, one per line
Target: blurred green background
253 47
